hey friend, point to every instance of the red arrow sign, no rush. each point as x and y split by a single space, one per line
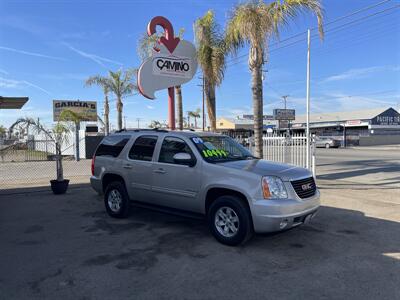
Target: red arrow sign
169 41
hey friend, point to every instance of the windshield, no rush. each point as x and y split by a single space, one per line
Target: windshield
220 149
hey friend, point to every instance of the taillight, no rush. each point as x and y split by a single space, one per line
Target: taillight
93 158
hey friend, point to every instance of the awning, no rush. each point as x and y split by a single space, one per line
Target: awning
12 102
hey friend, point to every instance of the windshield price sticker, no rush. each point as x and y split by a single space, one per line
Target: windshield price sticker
197 140
215 153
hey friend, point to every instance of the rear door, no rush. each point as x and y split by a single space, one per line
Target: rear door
176 185
139 167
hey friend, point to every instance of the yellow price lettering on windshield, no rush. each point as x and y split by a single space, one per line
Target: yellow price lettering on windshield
214 153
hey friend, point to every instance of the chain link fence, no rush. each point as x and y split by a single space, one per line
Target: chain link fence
30 163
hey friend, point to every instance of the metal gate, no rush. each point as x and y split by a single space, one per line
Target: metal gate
286 149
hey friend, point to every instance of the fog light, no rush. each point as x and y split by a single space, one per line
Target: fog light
283 223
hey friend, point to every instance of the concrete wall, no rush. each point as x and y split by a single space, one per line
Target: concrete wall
379 140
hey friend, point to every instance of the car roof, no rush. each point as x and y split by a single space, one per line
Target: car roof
186 133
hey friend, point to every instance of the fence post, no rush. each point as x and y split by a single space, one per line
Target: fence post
313 157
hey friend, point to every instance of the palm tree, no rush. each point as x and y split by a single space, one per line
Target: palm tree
155 124
254 23
179 106
145 50
102 81
59 135
211 53
120 84
2 131
195 114
76 118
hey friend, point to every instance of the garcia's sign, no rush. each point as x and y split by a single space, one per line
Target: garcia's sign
87 109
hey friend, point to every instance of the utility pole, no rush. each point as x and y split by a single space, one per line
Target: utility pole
203 110
284 101
125 122
308 101
138 122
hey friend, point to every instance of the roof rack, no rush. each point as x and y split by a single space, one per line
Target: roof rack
138 130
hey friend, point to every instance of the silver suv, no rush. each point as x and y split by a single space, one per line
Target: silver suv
202 174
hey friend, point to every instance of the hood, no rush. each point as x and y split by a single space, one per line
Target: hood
264 167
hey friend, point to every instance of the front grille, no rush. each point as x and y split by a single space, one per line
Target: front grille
304 188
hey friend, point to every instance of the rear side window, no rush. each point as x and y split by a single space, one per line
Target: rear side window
112 145
143 148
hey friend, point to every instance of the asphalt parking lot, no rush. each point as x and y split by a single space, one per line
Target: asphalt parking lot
55 247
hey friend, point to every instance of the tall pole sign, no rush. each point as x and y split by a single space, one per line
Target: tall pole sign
172 63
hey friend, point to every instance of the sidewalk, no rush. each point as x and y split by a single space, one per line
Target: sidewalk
376 147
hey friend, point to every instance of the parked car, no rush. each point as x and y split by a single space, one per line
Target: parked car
326 142
202 174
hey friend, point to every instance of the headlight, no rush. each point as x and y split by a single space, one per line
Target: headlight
273 187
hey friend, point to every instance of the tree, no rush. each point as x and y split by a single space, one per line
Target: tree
59 135
120 84
102 82
195 114
211 53
254 24
145 50
76 118
3 131
155 124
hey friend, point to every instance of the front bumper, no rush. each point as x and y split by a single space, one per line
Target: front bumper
280 214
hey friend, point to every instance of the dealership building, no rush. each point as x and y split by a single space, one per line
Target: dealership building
378 126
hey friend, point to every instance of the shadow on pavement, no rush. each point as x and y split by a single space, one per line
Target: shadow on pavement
68 247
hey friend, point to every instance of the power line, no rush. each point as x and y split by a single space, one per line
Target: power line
328 23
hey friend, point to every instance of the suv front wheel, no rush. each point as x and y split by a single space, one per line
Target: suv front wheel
116 200
229 220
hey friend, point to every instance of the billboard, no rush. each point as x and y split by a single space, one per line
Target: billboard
265 117
284 114
87 109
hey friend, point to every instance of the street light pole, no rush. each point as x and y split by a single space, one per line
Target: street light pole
308 101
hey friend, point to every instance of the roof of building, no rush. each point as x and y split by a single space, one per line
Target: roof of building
365 114
245 121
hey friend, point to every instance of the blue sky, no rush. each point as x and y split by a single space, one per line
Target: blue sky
48 48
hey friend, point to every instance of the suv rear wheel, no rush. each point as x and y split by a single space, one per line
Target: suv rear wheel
229 220
116 200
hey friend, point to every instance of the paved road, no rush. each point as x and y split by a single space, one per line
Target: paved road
66 247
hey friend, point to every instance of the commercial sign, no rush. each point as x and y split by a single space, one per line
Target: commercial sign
172 63
265 117
86 109
284 114
389 117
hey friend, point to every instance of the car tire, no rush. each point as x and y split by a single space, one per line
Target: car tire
116 200
234 209
327 146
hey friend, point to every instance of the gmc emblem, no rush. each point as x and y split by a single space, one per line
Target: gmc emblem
306 187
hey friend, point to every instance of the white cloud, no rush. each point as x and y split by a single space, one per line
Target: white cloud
97 59
359 73
17 84
3 72
150 107
30 53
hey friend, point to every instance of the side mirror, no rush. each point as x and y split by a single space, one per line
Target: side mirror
184 159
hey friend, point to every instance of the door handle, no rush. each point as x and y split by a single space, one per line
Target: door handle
160 171
127 166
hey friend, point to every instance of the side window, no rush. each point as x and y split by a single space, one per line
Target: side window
143 148
170 147
112 145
